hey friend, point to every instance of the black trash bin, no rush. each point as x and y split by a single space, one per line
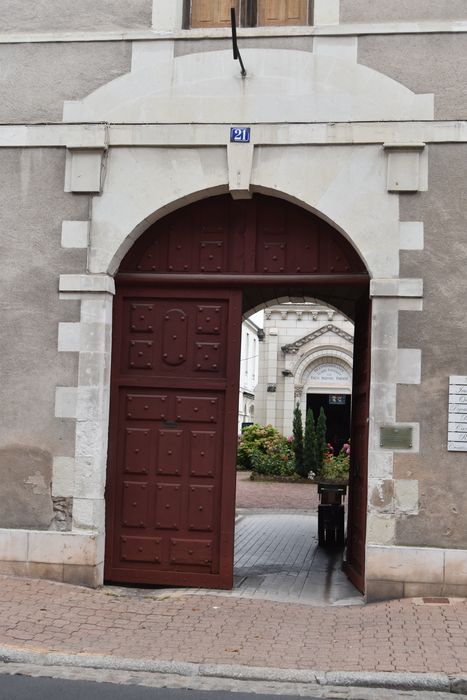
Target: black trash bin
331 514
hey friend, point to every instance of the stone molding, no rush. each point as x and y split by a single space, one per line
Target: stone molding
293 348
92 283
162 35
98 136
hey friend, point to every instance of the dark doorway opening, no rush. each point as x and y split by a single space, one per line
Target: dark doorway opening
337 410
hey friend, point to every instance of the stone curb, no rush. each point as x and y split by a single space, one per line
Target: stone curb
441 682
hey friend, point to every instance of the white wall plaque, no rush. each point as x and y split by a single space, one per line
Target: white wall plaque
457 425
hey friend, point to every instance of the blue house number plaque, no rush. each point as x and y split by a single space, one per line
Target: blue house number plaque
240 134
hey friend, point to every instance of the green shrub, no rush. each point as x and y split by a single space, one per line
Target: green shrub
309 445
253 440
277 460
297 428
321 441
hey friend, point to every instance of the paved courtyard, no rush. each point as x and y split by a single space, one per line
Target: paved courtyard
270 494
276 547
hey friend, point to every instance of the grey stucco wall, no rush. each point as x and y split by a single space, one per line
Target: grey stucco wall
32 206
74 15
384 11
425 63
296 43
35 79
440 330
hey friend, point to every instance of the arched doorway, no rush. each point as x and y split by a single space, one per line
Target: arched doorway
181 291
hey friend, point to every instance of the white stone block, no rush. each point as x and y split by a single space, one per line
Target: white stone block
406 492
94 369
87 283
404 168
65 402
455 567
91 439
68 337
411 235
409 366
410 287
83 171
240 163
395 287
383 365
96 308
62 548
90 403
89 477
94 337
410 304
417 565
326 12
13 545
88 514
75 234
63 476
380 464
382 404
381 529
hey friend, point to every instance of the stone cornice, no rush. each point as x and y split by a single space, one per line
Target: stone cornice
293 348
330 30
80 135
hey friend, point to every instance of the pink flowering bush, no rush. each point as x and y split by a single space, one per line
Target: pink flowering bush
336 467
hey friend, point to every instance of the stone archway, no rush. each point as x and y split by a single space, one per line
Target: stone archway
180 294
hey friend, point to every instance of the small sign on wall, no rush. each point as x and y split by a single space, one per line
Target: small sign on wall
457 416
240 134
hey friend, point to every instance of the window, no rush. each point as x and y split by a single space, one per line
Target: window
250 13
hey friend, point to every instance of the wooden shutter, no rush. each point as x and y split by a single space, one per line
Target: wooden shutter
282 12
212 13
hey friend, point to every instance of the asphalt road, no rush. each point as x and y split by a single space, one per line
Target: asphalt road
25 688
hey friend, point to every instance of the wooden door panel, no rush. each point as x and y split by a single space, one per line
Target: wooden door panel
170 337
172 448
282 12
211 13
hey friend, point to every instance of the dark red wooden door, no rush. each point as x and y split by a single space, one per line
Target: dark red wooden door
358 480
175 373
171 486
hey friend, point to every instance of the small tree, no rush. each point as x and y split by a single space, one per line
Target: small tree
297 428
321 441
309 445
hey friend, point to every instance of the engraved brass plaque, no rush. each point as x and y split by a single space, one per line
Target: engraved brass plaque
393 438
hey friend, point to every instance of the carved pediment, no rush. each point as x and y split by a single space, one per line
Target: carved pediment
293 348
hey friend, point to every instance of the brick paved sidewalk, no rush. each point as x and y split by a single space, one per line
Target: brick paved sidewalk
402 635
278 496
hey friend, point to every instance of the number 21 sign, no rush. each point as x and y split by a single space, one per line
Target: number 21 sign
240 134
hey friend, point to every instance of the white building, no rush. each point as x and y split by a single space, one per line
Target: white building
249 361
305 358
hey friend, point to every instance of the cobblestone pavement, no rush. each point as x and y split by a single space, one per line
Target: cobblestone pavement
268 494
406 635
